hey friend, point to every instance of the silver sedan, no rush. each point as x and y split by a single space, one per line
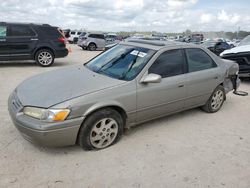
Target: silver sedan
133 82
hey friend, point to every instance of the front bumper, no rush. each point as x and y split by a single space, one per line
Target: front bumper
52 134
245 74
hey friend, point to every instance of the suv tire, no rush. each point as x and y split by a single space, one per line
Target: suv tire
44 57
92 47
101 129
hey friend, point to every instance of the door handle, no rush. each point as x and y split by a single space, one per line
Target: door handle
181 85
2 40
33 39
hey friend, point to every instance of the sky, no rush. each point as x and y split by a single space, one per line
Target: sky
132 15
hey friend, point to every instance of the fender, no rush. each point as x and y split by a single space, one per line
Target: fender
103 104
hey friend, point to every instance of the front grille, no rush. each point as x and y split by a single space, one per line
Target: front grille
243 62
16 103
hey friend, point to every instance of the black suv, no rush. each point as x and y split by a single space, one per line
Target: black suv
40 42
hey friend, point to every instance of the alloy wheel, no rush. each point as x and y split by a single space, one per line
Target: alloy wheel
104 133
45 58
217 99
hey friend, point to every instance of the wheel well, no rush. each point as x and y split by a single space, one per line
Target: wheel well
122 112
117 108
92 43
47 48
221 84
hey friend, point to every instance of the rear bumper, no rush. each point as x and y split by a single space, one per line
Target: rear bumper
231 83
61 53
82 43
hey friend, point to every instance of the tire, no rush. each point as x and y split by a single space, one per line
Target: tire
215 101
101 129
44 58
92 47
84 48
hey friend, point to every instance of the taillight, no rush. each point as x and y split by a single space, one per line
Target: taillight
61 39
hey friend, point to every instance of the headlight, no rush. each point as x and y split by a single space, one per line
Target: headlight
46 114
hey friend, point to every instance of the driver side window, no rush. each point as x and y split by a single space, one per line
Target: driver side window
169 63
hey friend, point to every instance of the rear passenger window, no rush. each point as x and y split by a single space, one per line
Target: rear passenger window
169 63
50 31
21 31
198 60
3 31
101 36
97 36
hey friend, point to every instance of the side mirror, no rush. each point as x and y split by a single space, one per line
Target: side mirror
151 78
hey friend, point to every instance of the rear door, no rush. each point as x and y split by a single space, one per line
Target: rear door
202 78
4 47
101 41
22 40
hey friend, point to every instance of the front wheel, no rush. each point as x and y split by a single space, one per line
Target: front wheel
92 47
101 129
44 58
216 100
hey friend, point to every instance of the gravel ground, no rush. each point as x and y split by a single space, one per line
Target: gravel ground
189 149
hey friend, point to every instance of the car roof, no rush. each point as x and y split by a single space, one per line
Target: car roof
23 23
95 33
156 44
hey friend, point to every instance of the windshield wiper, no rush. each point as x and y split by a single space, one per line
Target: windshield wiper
130 67
115 61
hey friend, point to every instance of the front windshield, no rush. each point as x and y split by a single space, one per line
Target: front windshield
121 62
245 41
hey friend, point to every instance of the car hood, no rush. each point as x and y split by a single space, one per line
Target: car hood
238 49
53 87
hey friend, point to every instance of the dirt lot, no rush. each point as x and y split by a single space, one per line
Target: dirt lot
189 149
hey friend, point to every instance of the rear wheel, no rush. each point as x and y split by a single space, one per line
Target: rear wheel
44 58
92 47
216 100
101 129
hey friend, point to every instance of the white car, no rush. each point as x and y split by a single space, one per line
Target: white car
73 36
241 55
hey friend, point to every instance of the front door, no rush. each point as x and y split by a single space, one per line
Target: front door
168 96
